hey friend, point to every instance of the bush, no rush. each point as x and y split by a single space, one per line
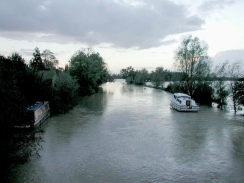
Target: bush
175 87
61 90
64 92
203 94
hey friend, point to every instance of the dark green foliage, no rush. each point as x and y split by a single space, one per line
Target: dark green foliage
128 74
12 81
240 91
175 87
36 62
49 60
203 94
63 89
158 77
116 76
15 87
139 79
90 71
141 76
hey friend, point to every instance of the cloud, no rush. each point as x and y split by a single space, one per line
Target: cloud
230 55
171 41
124 24
26 51
210 5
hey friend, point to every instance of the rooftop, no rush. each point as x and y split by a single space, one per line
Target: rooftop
35 106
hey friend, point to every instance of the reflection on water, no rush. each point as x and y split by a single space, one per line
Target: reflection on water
130 134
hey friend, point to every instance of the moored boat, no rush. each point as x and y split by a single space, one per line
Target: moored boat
37 114
183 102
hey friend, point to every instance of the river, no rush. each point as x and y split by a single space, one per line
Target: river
130 134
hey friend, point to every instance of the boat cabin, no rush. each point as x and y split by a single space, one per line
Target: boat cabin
183 102
38 112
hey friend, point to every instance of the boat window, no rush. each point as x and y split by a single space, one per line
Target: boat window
184 97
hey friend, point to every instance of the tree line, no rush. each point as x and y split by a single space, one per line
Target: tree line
195 75
22 84
140 77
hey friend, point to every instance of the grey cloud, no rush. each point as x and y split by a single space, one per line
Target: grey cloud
169 42
141 25
26 51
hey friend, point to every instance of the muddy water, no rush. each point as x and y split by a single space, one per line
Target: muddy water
130 134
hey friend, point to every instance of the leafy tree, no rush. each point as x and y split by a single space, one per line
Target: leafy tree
66 68
158 77
176 76
89 69
64 92
175 87
203 94
49 60
14 78
128 74
12 75
141 76
36 62
191 59
61 90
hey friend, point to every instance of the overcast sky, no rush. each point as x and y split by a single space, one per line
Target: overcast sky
137 33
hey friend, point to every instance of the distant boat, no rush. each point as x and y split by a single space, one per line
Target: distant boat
183 102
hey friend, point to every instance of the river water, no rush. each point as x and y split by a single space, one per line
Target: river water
130 134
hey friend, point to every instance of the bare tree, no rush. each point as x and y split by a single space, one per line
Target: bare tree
219 84
191 58
234 73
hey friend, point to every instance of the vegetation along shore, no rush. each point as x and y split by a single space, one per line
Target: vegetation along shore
24 84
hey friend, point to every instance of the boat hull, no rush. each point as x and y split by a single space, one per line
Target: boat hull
184 108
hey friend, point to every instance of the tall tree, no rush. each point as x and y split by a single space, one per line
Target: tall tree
49 60
36 62
128 74
234 73
141 76
89 69
158 76
191 59
219 84
15 145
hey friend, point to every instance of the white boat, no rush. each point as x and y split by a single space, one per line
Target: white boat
183 102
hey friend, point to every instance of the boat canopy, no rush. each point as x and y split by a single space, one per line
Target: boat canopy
181 95
36 106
